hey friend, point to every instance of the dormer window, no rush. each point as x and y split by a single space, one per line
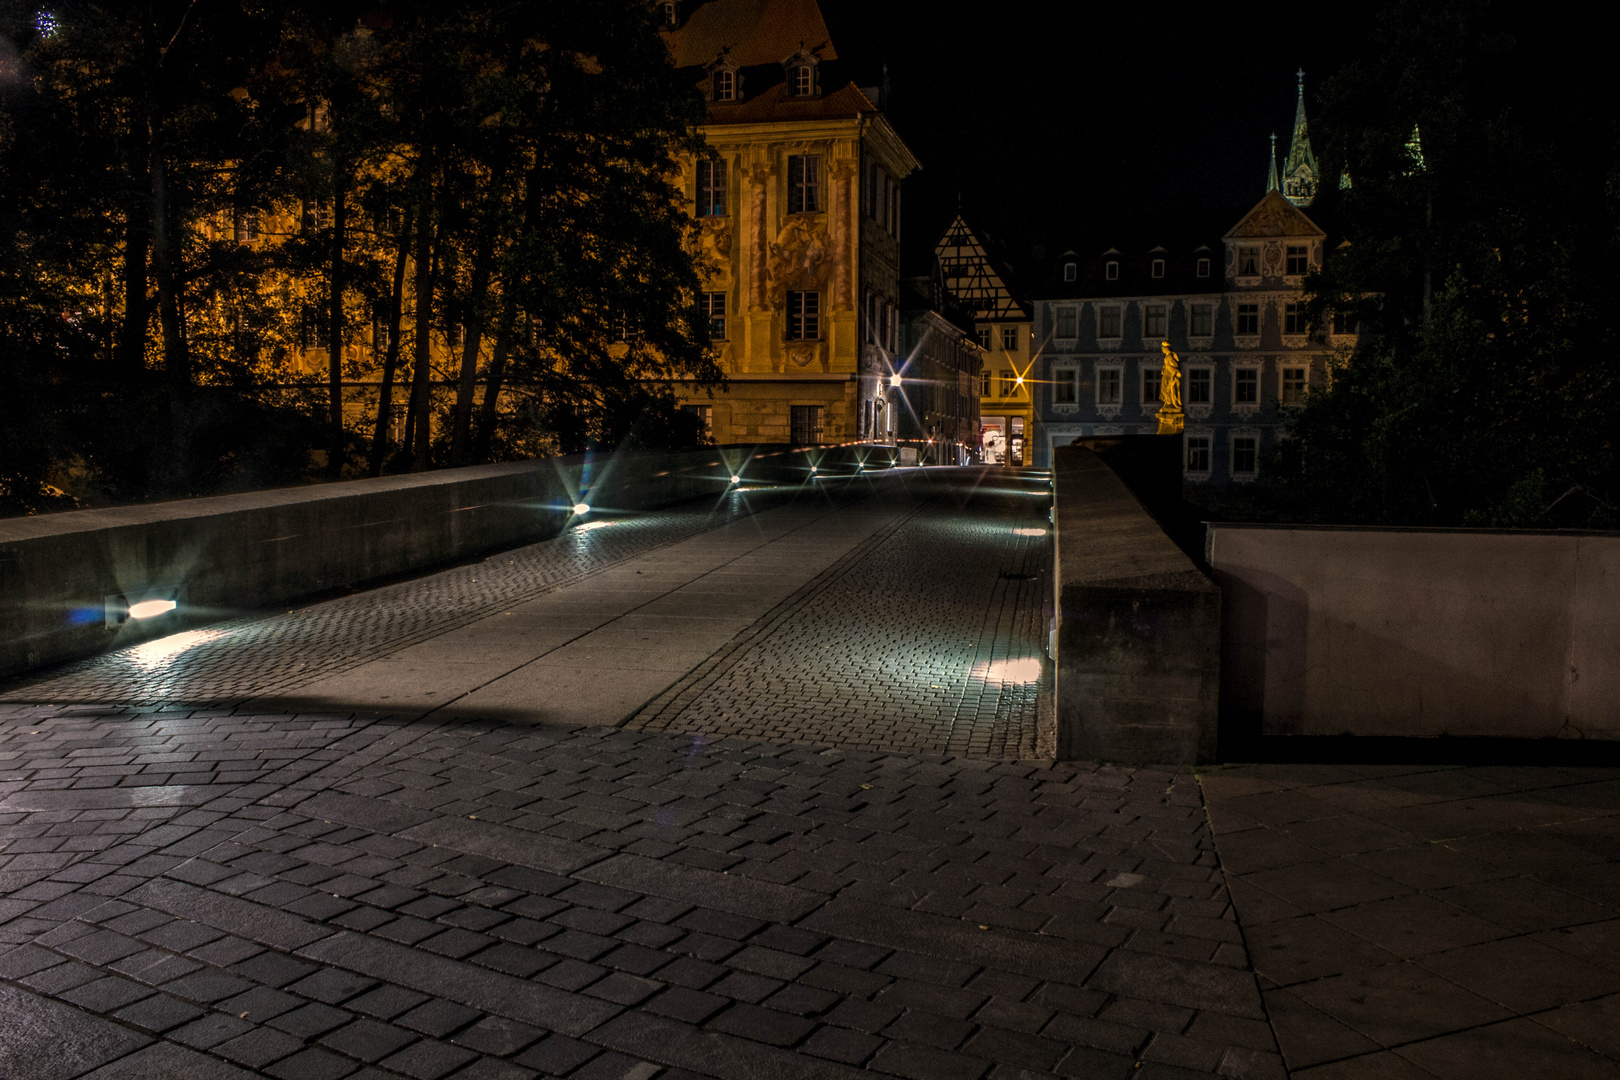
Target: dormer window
801 80
669 13
1111 270
723 84
1071 272
1158 268
1203 268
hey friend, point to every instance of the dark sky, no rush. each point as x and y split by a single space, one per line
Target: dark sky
1047 117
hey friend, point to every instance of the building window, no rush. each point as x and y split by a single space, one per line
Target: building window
711 188
801 80
806 425
803 316
704 414
1150 386
671 12
1111 270
1008 381
714 309
1108 381
1157 268
804 183
724 84
1203 268
1198 453
1201 322
1065 386
1248 320
1108 322
1068 322
1293 385
1344 322
984 383
1153 320
983 334
1245 455
1293 319
1297 258
1071 272
247 226
1200 383
1249 261
1246 386
1009 339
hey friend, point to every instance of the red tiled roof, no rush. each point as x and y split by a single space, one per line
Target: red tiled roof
754 31
773 105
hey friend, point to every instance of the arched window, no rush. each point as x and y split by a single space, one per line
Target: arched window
801 80
1111 270
724 84
1071 272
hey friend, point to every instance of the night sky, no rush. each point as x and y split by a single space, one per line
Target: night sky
1050 117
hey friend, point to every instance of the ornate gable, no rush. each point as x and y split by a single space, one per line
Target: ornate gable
1275 216
970 276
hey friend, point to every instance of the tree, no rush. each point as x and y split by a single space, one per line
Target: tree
1482 221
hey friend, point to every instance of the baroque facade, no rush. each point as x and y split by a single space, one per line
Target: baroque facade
1003 327
799 209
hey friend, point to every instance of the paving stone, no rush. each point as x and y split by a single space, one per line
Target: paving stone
311 1064
158 1013
368 1040
498 1035
429 1060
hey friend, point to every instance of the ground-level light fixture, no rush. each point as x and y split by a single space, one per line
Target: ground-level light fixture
582 508
141 605
151 609
735 479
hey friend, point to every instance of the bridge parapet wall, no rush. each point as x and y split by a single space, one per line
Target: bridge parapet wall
238 553
1137 649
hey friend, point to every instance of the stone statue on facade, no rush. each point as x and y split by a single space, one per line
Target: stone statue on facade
1171 418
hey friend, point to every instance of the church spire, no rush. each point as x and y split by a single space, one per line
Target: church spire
1299 171
1271 173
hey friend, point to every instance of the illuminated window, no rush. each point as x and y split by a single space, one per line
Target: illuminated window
1068 322
1071 272
1111 270
803 316
1246 386
1248 319
1198 453
1203 268
1150 386
1108 322
1293 319
1065 386
724 84
1009 338
711 188
1108 383
806 424
804 183
1201 320
1297 258
1200 383
1249 260
1157 268
1245 455
1154 317
714 309
1293 385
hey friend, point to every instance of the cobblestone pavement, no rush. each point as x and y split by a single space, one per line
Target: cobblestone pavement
193 893
1412 922
929 639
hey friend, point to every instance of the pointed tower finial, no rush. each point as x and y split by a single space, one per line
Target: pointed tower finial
1299 171
1271 172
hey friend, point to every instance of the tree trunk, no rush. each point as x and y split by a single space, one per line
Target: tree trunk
487 411
131 359
335 335
472 339
421 419
380 441
176 361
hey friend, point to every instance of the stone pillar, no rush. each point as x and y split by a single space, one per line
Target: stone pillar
842 173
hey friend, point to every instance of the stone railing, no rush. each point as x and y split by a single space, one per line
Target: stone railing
68 582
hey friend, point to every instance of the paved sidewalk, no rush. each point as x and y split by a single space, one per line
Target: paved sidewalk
1418 922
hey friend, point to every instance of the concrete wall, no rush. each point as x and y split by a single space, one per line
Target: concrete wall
1329 631
238 553
1138 635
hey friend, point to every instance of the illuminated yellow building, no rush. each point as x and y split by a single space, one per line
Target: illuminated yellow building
1004 330
799 207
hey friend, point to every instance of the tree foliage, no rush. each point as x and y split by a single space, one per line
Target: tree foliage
1481 227
220 216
